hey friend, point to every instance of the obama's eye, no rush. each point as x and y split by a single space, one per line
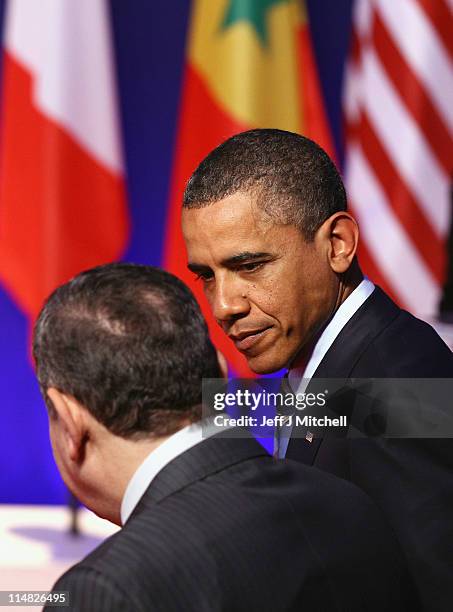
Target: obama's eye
251 266
204 276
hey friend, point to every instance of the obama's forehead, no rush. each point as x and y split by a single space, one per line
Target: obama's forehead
237 212
232 228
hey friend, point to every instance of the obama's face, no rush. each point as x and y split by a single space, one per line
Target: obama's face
269 288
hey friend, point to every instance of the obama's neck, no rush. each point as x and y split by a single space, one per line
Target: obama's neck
348 282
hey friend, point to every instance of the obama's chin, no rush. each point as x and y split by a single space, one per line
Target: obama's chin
263 364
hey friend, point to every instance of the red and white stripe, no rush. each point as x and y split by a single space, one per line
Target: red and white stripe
62 196
398 107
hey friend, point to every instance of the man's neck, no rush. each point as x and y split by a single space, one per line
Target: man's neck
120 460
303 356
347 284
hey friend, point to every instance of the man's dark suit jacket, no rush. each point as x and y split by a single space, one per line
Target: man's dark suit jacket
411 480
225 527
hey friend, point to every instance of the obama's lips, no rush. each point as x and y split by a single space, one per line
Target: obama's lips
246 339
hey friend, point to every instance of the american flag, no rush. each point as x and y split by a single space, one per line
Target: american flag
398 105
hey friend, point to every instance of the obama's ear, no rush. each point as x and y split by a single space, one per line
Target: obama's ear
70 414
341 233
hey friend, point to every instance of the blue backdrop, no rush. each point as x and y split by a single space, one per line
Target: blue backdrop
149 42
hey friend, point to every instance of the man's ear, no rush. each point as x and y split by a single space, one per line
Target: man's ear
342 231
69 412
222 364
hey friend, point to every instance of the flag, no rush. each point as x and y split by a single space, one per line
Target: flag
62 195
398 107
249 65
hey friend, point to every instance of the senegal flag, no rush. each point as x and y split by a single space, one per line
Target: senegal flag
249 65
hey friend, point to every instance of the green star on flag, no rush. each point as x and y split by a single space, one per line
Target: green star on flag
253 11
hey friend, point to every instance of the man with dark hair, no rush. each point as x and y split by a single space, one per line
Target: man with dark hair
97 336
268 233
294 180
270 209
209 523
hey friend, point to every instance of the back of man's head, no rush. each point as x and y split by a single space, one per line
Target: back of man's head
130 344
293 180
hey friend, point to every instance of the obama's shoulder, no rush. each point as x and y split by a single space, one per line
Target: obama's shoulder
406 347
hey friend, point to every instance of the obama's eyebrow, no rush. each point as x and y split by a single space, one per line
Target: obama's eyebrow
243 257
234 260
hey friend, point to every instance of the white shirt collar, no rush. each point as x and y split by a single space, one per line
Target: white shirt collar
174 446
344 313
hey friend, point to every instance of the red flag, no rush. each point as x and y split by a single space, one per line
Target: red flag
62 196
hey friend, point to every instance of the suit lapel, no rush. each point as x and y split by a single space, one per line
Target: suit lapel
303 450
375 314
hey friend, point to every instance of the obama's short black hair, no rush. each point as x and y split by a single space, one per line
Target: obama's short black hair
293 179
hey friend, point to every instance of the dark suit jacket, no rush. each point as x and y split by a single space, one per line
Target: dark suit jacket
226 527
411 480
